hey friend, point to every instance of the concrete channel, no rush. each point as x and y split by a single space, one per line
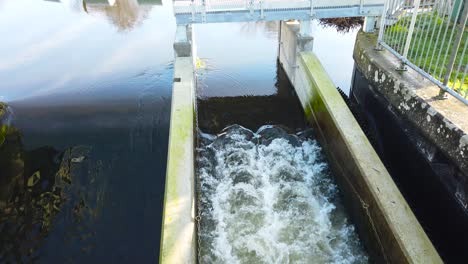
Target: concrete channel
384 221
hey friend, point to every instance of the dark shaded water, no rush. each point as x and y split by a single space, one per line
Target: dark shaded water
90 95
82 166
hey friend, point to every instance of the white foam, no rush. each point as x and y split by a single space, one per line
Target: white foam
272 203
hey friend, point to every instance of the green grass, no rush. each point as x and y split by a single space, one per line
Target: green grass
425 48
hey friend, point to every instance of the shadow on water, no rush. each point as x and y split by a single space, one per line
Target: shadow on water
282 108
83 153
90 187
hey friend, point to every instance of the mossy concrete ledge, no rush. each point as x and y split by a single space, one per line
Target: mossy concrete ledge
390 231
178 238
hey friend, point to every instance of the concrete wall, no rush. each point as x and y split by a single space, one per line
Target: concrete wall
423 141
178 239
385 222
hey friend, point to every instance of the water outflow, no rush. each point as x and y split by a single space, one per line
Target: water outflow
268 197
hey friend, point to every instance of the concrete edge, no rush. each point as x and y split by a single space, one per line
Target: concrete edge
381 214
401 90
178 235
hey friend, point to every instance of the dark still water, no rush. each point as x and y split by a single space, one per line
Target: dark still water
83 164
83 150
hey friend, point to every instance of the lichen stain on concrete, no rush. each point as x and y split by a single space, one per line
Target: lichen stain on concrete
449 125
464 142
431 111
396 87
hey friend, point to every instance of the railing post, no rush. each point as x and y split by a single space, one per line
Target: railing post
410 34
383 22
204 10
193 10
262 15
455 47
311 8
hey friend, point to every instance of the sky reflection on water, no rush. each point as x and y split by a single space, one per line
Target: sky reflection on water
98 77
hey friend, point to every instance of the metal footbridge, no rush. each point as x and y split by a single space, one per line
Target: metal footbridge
218 11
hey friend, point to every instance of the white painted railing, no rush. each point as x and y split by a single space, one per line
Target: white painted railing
430 36
206 6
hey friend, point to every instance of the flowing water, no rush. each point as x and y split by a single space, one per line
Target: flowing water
268 197
83 143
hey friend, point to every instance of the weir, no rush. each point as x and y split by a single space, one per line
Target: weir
384 221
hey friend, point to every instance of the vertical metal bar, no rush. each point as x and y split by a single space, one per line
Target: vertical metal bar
383 21
401 35
193 10
262 15
203 10
432 13
394 35
391 9
407 26
457 72
399 24
411 29
420 32
456 44
311 8
463 79
442 46
438 36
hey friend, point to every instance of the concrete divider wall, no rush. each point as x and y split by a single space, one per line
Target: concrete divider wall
178 235
384 220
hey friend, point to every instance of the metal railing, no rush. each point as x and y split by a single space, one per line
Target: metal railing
204 6
429 36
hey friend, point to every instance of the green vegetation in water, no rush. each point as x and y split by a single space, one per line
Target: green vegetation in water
428 44
36 185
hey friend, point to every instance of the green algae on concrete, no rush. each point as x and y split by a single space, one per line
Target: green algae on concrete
178 230
383 218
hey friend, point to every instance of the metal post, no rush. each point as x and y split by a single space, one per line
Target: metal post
369 24
383 22
311 8
262 15
410 33
204 11
193 10
455 47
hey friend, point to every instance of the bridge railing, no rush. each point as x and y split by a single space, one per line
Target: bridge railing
429 36
196 7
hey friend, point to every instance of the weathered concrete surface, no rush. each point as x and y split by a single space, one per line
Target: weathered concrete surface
384 220
178 239
444 123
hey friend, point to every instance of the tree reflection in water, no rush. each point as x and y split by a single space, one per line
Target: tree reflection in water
124 14
35 186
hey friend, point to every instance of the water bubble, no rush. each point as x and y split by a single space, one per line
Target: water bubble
268 197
